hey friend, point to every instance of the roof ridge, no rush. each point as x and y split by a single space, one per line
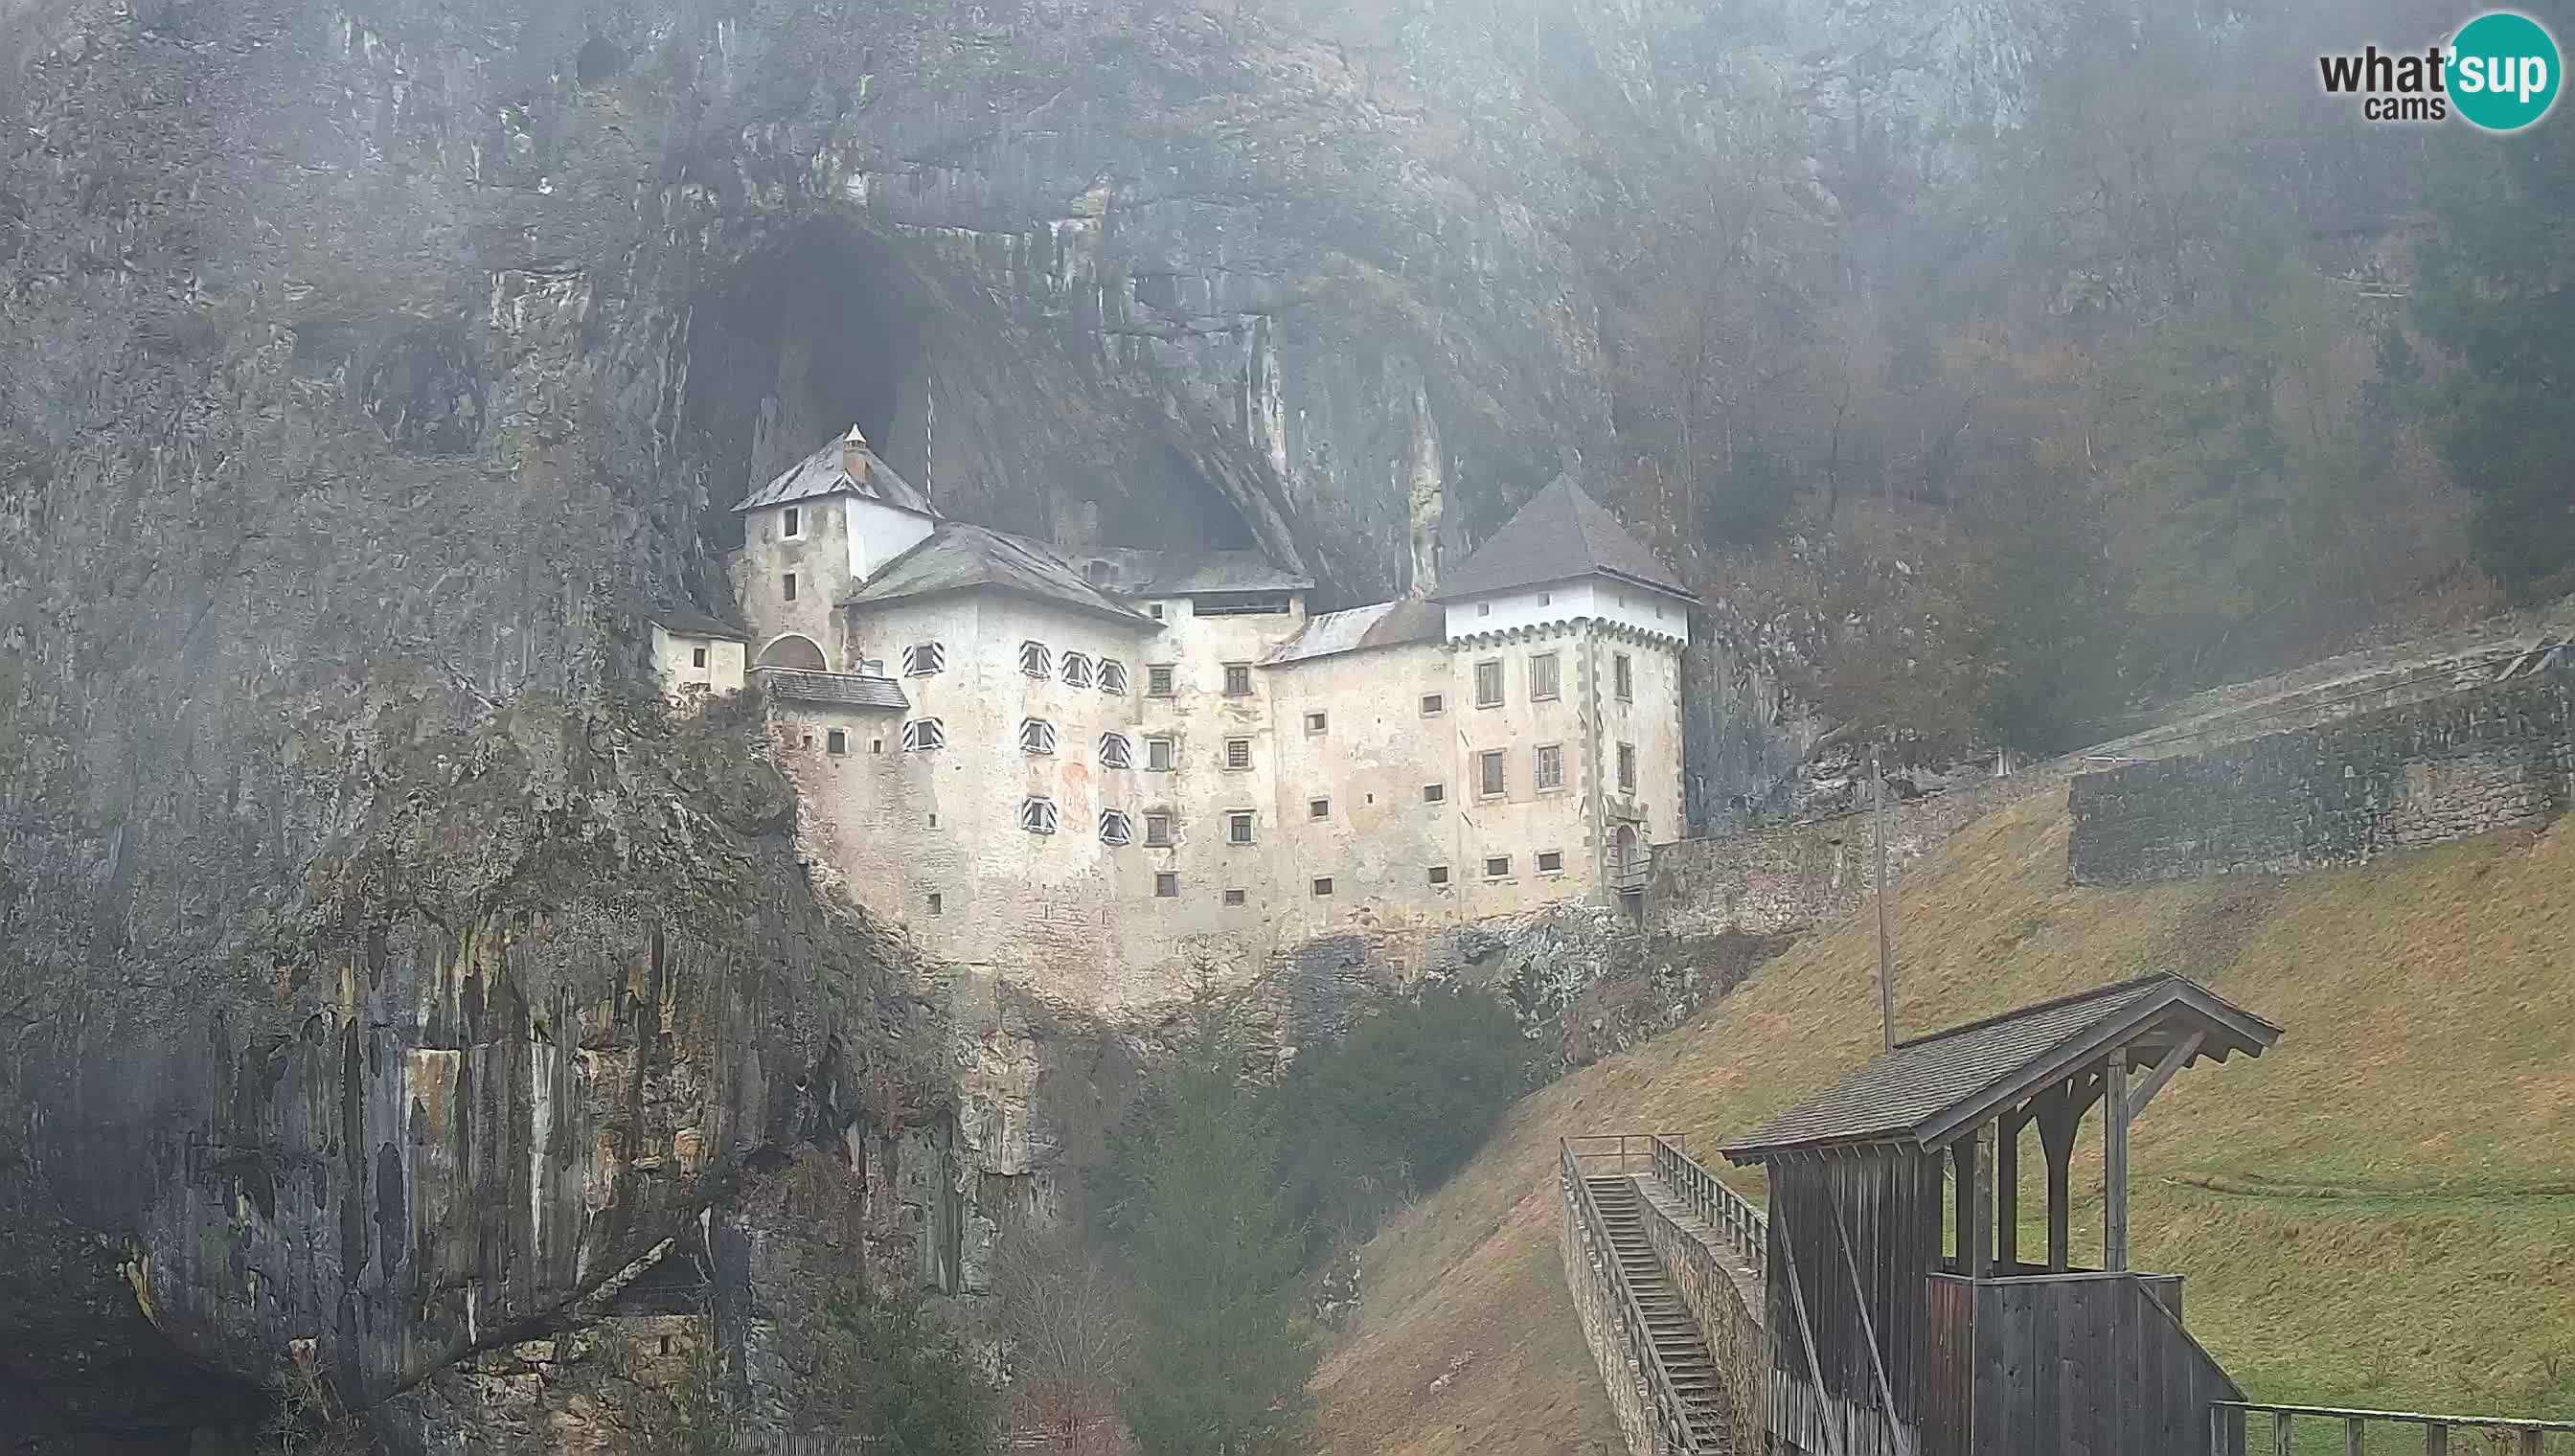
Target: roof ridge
2053 1004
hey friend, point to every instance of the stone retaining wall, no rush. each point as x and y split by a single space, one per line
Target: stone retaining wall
1595 1301
2496 757
1721 1298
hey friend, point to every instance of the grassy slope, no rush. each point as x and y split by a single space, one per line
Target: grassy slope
2429 1076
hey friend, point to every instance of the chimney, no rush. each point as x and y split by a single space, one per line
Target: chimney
854 454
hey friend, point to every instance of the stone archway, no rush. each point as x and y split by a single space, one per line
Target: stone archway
793 649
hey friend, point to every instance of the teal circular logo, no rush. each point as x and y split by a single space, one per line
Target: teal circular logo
2503 71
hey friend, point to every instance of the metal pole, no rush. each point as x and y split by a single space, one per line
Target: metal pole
1885 935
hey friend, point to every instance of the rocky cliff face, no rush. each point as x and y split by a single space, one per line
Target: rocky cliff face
375 971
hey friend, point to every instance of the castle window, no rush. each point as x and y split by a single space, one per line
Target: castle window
1488 684
1077 670
793 523
1438 875
1489 781
1323 886
1157 680
1157 829
1236 896
875 746
1035 660
1433 705
1546 599
1238 826
1546 767
1626 767
1116 752
1238 754
923 734
1315 724
1036 736
1113 675
1498 866
936 907
697 657
1153 609
1037 815
1435 793
1158 754
1623 674
837 740
1167 886
788 586
922 659
1541 676
1237 680
1098 573
1550 862
1115 827
1319 809
1484 609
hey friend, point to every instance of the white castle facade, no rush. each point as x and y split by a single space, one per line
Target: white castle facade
1102 774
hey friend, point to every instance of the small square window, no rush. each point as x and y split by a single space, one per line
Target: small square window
1238 826
1113 675
808 741
1319 809
1484 609
1157 831
1435 793
1323 886
794 522
1237 752
836 742
1550 862
875 746
1157 680
1488 684
1037 815
1235 898
1438 875
1167 886
1237 680
1626 767
1546 767
697 657
1153 609
1433 705
1497 868
934 822
1546 599
1315 724
936 905
788 586
1158 754
1542 677
1489 779
1035 658
924 658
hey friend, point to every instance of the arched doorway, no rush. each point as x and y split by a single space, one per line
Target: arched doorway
793 650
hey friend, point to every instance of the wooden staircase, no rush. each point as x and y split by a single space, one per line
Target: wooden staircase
1679 1346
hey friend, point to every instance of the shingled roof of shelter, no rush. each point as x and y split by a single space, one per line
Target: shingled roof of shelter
956 557
689 622
1181 574
823 474
1381 625
1931 1089
836 690
1562 532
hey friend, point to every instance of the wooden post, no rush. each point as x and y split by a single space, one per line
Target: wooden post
2007 1193
1984 1231
1885 935
2057 1115
1962 1198
2114 1164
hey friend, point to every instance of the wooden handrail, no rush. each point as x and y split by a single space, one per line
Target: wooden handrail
1672 1414
1746 1227
2228 1421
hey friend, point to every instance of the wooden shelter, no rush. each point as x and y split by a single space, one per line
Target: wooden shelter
1902 1314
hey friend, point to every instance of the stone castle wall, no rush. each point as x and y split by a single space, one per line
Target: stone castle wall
2419 774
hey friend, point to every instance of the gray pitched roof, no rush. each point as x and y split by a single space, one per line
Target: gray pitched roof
830 689
1183 573
1931 1087
1383 625
1560 533
689 622
956 557
823 473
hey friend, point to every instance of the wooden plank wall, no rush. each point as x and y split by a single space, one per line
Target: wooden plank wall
2095 1364
1855 1239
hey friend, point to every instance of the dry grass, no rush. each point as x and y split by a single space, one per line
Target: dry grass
2427 1081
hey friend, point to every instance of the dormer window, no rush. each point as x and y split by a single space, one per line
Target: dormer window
1076 671
921 734
1035 660
1115 827
1037 815
1116 752
1113 675
922 659
791 524
1036 736
1098 573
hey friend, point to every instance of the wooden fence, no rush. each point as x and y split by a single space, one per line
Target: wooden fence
2234 1424
1745 1228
